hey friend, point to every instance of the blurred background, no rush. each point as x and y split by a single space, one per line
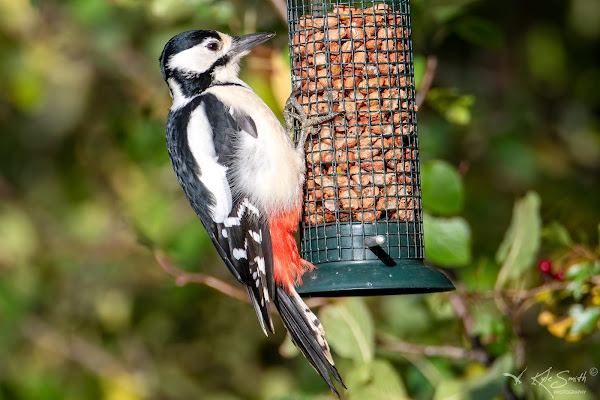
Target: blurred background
92 216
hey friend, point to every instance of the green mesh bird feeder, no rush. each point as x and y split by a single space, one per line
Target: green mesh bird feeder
362 221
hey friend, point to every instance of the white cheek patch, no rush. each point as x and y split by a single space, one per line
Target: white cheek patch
199 59
194 60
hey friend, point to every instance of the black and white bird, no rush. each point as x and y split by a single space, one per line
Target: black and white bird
243 176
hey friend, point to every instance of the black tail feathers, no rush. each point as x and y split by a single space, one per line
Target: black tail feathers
308 335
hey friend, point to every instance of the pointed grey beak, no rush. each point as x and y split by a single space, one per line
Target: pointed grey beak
243 44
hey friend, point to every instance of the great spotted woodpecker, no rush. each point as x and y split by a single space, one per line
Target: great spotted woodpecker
243 176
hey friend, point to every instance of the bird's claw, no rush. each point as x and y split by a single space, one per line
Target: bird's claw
293 110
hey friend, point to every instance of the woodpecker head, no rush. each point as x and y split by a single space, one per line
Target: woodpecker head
193 60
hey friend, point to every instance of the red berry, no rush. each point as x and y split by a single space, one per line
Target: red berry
560 275
545 266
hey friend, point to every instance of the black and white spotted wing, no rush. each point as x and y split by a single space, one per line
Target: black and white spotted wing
202 137
246 234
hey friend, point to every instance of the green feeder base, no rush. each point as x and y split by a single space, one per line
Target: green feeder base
368 260
373 278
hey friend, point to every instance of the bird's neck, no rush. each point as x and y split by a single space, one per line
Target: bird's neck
191 85
184 88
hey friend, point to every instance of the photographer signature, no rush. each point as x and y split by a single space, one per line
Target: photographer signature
556 381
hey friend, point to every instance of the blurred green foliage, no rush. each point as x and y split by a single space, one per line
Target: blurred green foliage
87 192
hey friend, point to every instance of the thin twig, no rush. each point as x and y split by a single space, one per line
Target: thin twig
426 367
519 295
459 304
430 69
460 309
434 351
281 9
183 278
316 301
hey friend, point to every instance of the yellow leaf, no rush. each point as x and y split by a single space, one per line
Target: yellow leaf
559 328
546 318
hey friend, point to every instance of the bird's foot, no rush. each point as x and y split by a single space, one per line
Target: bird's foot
293 110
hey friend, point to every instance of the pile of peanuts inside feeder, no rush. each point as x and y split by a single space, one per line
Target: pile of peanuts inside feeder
359 166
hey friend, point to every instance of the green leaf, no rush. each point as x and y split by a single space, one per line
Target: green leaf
375 380
580 271
442 188
439 307
446 10
453 106
545 42
514 160
349 328
522 239
415 322
584 320
556 233
288 349
482 276
487 385
419 66
18 236
488 322
480 31
447 241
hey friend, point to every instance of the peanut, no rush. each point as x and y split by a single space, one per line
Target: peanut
360 164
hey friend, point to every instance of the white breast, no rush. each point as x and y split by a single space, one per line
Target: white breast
270 171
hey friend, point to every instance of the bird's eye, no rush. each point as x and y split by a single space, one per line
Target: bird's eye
213 46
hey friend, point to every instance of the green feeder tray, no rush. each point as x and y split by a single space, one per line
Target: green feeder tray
366 260
362 219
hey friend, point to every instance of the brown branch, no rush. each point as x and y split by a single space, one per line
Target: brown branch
519 295
459 304
511 302
183 278
434 351
316 301
281 9
430 69
460 309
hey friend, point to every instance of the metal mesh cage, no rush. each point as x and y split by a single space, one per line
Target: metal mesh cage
362 206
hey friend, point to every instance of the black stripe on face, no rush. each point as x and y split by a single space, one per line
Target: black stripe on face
197 84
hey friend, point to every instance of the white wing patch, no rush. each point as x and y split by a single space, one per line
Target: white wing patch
240 225
237 220
213 175
251 207
238 254
261 265
256 236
